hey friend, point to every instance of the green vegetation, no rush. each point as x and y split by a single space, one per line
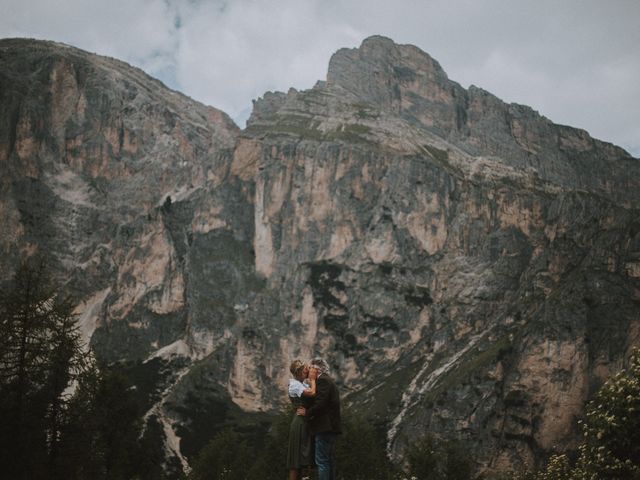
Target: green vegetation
360 453
305 128
440 155
62 416
432 460
39 356
365 110
389 390
224 458
229 455
441 158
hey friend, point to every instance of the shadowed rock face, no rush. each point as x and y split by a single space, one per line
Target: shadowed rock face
468 267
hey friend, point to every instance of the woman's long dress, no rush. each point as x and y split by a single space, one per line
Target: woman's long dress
300 452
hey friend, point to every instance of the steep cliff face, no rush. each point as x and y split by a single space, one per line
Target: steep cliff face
119 182
468 267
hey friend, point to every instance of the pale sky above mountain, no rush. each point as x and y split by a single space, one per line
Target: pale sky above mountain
575 61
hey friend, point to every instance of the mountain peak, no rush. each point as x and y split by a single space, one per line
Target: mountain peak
380 68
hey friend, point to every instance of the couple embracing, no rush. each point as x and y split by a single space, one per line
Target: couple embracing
316 422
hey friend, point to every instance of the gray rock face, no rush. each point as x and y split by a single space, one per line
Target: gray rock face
118 181
468 267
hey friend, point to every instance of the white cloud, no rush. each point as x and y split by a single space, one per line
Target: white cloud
134 29
251 47
575 61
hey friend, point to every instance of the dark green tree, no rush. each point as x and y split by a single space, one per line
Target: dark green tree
422 458
40 355
226 457
101 439
62 416
360 450
66 362
152 460
271 460
438 460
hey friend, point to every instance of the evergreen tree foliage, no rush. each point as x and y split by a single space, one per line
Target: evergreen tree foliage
271 461
225 457
429 459
360 450
152 458
62 417
360 453
101 438
40 355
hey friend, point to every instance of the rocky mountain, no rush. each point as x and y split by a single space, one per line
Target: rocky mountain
468 267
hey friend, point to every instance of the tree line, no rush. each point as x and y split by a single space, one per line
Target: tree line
360 454
62 416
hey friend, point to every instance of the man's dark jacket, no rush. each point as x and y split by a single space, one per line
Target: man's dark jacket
324 413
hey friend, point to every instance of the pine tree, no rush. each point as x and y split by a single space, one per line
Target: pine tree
271 461
67 360
223 458
360 450
100 440
40 356
438 460
62 415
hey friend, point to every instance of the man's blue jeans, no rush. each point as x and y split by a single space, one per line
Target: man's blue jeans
326 455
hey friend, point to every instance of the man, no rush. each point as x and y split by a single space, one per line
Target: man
324 420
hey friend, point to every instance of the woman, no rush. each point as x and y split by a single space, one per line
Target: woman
302 389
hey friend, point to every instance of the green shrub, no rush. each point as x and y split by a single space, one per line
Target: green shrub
226 457
360 450
429 459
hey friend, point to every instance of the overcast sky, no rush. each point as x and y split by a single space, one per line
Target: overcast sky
575 61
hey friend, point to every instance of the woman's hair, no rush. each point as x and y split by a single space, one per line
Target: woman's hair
321 364
295 367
